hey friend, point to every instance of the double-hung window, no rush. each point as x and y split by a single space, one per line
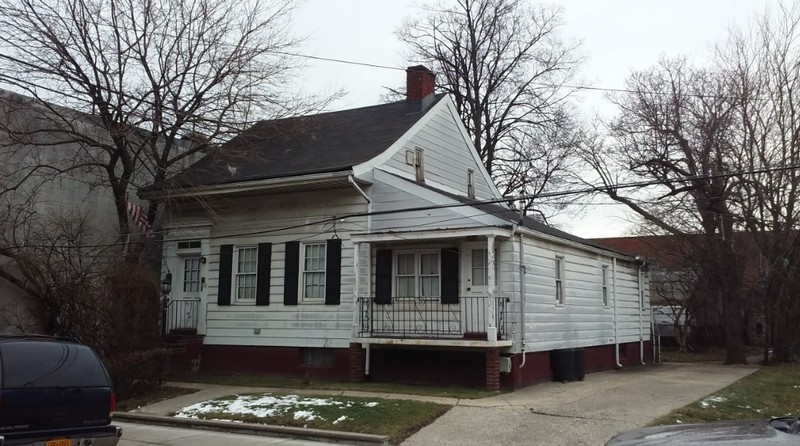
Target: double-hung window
417 274
313 276
246 267
559 272
605 285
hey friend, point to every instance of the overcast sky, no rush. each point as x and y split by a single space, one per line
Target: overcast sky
617 36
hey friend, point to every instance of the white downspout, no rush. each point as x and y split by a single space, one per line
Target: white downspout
641 310
616 323
522 270
361 191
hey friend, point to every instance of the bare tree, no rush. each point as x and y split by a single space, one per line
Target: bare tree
506 68
143 88
762 67
673 131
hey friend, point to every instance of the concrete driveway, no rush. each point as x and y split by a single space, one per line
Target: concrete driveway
578 413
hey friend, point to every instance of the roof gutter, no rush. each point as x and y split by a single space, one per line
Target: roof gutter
358 188
248 186
585 247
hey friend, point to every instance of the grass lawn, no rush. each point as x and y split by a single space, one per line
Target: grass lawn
770 392
164 393
288 382
716 354
396 418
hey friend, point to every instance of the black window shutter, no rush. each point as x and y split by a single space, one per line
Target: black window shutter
225 272
383 276
450 276
291 275
333 271
264 272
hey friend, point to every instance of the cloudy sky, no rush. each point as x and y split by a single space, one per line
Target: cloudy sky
616 36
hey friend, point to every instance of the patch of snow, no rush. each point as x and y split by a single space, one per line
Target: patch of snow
708 402
265 406
340 419
305 414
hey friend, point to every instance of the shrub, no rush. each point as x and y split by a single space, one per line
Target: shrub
138 372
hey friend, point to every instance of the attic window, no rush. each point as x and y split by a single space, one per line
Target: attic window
193 244
419 164
470 183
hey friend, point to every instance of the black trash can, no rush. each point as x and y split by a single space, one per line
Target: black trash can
579 363
562 364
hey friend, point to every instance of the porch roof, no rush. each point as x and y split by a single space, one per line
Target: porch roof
500 232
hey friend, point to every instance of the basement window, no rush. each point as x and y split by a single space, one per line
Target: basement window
318 357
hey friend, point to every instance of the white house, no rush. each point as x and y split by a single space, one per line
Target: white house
373 242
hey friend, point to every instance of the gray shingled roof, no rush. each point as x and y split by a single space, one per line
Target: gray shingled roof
327 142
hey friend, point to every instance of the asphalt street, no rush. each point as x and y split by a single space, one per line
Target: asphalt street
134 434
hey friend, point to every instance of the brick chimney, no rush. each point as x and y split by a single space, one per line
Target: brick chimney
419 83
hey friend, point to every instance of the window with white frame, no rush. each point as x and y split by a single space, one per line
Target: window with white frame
470 183
417 274
246 263
191 274
559 273
480 267
605 285
313 271
419 164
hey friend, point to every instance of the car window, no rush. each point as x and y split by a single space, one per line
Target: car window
50 364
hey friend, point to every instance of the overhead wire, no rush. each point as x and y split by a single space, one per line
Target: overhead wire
504 200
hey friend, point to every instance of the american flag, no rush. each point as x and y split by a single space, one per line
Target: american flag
139 218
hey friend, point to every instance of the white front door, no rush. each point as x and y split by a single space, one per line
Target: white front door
475 286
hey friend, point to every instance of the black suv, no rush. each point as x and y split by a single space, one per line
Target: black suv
54 392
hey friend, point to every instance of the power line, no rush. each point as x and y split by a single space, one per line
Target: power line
505 200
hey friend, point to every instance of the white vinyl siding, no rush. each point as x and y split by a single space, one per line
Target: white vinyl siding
246 270
313 272
314 324
583 322
446 161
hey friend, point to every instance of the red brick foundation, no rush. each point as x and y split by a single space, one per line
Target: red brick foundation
357 358
493 369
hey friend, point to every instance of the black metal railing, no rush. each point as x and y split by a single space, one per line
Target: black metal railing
182 314
414 317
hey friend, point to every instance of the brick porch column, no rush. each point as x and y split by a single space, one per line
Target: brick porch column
357 360
493 369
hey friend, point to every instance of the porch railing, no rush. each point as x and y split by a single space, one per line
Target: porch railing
414 317
182 314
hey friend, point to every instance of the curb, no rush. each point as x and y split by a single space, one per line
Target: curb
300 433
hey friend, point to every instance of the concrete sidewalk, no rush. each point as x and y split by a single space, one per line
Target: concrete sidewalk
588 412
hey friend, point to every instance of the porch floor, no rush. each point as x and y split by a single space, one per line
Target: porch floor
441 342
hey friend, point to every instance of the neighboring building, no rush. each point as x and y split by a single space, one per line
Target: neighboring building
670 265
31 199
373 242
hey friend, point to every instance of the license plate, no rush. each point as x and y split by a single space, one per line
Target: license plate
59 442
